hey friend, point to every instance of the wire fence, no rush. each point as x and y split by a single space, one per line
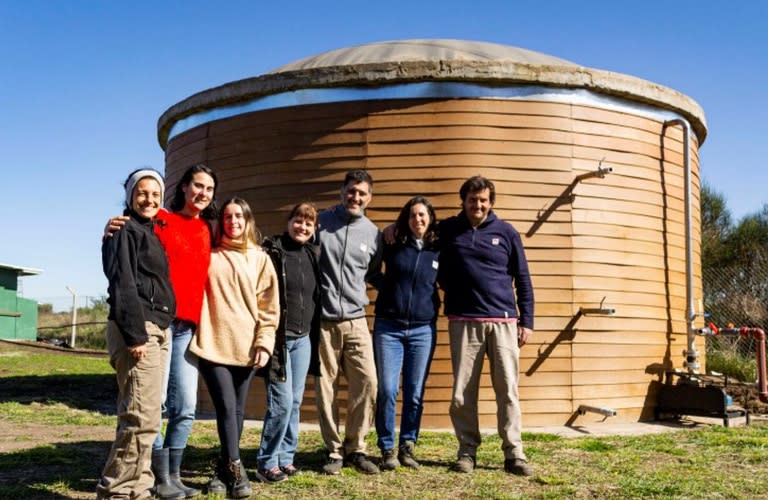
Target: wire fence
63 303
734 297
88 331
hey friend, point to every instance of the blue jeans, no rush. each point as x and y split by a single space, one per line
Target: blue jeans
280 435
180 388
398 347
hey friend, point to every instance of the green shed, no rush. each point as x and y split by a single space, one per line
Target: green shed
18 316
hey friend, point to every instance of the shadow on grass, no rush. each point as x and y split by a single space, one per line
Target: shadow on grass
202 460
84 392
39 472
51 470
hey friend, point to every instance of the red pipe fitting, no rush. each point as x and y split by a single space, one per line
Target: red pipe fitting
762 383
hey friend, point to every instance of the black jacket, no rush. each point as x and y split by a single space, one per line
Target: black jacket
276 368
140 290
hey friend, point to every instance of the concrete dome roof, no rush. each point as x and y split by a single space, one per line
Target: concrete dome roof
407 61
399 51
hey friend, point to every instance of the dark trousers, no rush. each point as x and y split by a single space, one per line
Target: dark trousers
228 387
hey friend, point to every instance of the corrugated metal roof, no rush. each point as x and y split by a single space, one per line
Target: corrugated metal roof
21 271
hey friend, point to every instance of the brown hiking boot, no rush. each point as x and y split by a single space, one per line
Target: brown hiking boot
405 455
465 464
333 466
361 462
388 460
518 467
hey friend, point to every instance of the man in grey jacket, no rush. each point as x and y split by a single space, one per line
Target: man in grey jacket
350 254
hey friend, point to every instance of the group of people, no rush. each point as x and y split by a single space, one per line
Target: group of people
196 289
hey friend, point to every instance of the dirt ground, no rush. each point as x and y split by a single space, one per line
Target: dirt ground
22 436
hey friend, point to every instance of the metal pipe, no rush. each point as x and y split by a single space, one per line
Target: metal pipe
762 370
692 355
603 311
600 172
607 412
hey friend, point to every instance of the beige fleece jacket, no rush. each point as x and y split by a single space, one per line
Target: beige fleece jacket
241 307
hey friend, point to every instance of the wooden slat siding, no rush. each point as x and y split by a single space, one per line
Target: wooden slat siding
390 177
609 116
615 231
532 150
632 298
183 141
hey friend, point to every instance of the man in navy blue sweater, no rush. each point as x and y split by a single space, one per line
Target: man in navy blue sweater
489 303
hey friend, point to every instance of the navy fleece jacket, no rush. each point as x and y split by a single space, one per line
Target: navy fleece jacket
479 268
408 289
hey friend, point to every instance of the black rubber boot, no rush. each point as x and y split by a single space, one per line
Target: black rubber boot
238 485
217 486
174 472
164 488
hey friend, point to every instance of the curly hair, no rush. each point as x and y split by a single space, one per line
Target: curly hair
402 230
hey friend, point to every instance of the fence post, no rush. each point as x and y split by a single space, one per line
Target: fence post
74 315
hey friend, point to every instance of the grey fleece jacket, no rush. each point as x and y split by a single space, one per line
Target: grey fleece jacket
350 254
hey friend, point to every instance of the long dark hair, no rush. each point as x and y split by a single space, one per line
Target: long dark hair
402 230
177 202
251 233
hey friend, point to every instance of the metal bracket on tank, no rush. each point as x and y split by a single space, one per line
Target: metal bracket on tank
567 197
600 173
601 311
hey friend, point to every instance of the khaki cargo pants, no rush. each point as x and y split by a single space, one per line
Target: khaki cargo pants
127 473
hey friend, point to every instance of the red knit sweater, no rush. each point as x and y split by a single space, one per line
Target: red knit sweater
187 243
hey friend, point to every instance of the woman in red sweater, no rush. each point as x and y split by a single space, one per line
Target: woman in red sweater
185 233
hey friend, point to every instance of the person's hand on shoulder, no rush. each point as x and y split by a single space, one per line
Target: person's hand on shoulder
389 234
114 225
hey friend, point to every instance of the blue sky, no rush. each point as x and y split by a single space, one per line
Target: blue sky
82 84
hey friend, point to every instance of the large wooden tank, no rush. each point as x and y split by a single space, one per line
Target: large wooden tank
424 115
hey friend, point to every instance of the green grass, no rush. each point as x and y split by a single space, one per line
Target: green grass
31 363
713 462
732 364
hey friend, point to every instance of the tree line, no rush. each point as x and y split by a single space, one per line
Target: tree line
734 261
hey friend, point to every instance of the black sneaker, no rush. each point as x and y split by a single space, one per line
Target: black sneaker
361 462
389 460
289 470
405 455
333 466
518 467
273 475
465 464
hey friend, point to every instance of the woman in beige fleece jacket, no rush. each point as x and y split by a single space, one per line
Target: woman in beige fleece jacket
236 334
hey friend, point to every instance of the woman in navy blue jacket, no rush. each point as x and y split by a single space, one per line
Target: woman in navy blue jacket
405 329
